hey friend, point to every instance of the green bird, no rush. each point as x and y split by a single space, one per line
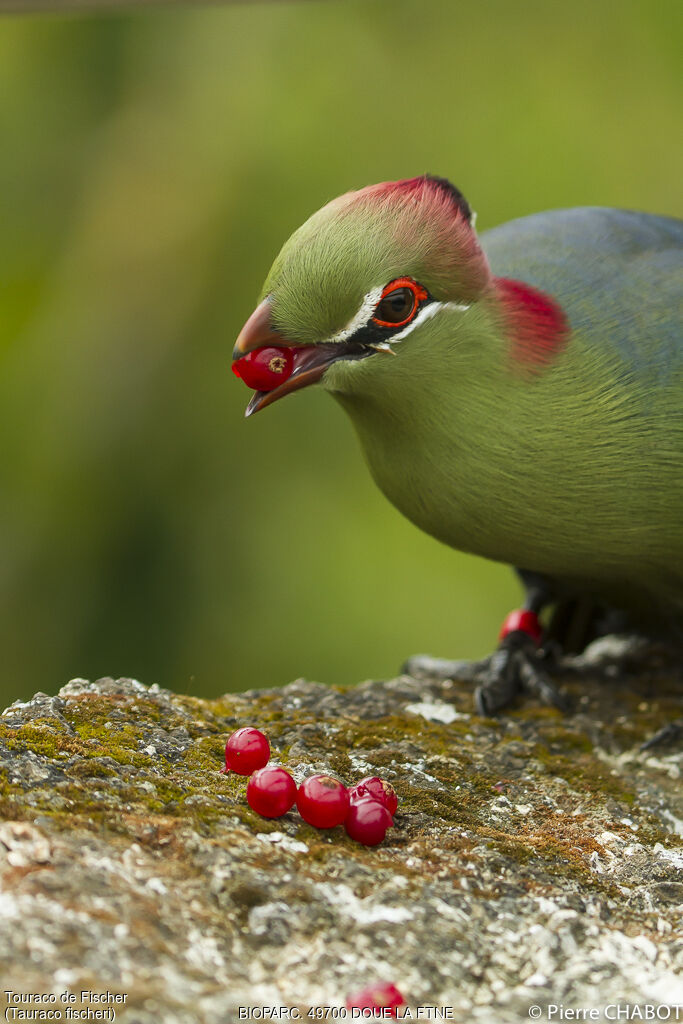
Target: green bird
518 396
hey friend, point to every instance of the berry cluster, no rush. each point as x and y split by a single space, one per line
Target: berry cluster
366 810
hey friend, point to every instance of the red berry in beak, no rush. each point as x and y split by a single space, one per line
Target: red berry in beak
266 368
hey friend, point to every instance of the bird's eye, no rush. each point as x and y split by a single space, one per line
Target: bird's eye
396 306
399 303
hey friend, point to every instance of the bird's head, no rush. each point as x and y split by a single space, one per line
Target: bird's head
365 276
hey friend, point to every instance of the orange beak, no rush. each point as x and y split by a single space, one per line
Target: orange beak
310 361
257 331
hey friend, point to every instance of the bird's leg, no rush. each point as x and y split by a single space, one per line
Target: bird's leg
579 626
517 665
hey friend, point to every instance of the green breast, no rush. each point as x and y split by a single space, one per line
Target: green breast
576 472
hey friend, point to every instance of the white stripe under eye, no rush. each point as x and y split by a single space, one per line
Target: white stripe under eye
426 313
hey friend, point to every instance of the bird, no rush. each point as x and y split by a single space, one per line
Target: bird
517 395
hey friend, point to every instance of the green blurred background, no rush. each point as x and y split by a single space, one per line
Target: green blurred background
151 166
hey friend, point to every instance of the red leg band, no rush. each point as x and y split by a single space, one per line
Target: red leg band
524 622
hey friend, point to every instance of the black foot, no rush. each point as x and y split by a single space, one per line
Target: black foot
665 736
515 667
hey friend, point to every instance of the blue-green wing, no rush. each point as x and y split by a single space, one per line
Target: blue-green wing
618 275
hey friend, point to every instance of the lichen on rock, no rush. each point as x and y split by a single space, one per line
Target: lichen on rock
536 858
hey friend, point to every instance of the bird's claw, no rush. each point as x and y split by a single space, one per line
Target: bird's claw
515 666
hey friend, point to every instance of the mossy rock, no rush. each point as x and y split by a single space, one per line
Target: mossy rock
536 858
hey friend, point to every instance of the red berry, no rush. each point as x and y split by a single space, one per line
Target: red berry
376 788
367 821
245 751
265 368
380 997
322 801
271 792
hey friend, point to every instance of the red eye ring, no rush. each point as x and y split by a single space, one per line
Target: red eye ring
399 283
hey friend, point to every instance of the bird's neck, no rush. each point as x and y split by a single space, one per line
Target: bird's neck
450 425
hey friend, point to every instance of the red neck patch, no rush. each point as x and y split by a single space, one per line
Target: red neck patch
533 321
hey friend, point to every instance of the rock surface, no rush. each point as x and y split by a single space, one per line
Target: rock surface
536 859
